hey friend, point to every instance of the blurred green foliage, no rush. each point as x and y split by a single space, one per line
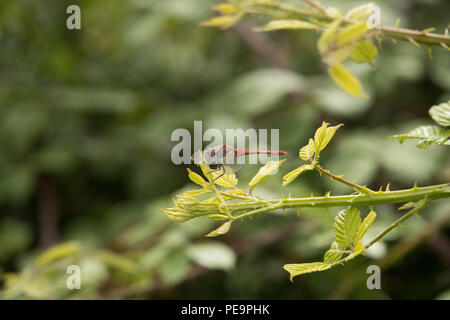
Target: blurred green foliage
85 125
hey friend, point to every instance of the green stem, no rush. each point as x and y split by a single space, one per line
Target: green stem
262 8
380 197
276 8
420 206
341 179
261 210
207 172
418 36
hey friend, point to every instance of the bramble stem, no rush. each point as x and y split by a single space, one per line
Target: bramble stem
341 179
283 10
222 201
420 206
261 210
207 172
380 197
418 36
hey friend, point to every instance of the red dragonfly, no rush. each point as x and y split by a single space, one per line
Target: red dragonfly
225 156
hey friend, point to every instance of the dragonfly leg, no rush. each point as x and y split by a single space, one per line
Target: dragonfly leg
215 170
218 176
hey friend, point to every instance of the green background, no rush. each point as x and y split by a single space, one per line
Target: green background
85 124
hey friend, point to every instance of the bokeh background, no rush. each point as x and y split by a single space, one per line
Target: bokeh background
85 124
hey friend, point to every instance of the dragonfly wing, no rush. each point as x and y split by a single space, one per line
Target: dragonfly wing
230 168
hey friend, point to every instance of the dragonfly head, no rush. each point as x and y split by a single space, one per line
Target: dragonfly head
215 156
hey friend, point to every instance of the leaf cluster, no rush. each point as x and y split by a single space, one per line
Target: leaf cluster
343 35
231 203
348 233
311 151
438 135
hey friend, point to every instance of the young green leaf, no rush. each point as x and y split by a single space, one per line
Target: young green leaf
217 216
319 136
177 215
196 178
287 24
346 80
364 51
367 222
226 8
264 171
338 56
428 135
206 170
333 255
307 152
227 180
353 32
58 252
224 228
441 114
118 262
224 177
361 12
196 193
346 226
328 37
236 192
224 21
291 176
323 136
333 12
302 268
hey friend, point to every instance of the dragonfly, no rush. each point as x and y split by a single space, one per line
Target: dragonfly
224 157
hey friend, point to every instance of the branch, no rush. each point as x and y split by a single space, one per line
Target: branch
429 39
398 251
420 206
341 179
282 10
197 209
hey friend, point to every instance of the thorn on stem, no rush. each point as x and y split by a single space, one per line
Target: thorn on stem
414 42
